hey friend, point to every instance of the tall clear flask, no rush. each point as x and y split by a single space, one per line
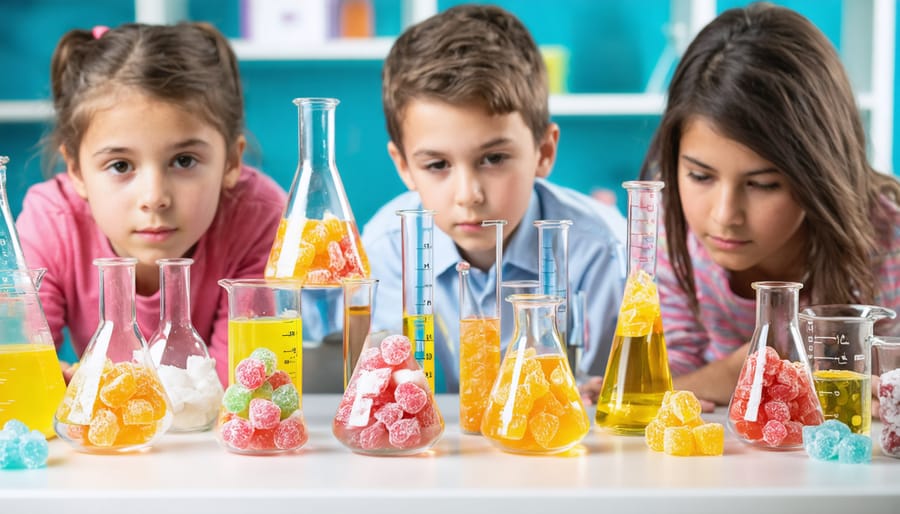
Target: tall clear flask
417 231
115 402
181 357
534 406
553 272
637 374
317 240
359 299
775 397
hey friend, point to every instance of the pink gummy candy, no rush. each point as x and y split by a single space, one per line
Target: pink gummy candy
343 412
395 349
373 437
389 414
290 434
264 414
250 373
336 261
774 433
410 397
279 378
236 432
428 417
405 433
370 358
778 411
263 439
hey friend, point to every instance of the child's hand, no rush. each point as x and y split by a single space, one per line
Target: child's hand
68 370
590 390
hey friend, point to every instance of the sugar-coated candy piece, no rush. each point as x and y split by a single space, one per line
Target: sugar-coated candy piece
250 373
395 349
678 441
821 444
343 413
290 434
15 427
137 412
543 428
389 413
236 433
374 437
318 276
410 397
262 439
685 406
653 435
264 414
104 428
120 389
267 357
359 412
287 399
405 433
236 398
336 261
416 376
370 358
890 440
794 433
774 432
709 439
777 410
841 428
279 378
9 449
33 450
855 449
370 383
264 391
429 417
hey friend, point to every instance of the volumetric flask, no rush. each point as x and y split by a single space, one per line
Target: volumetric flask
317 240
417 229
637 374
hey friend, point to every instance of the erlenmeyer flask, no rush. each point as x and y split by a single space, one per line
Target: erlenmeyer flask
774 397
317 240
187 371
11 257
535 407
31 382
115 401
637 374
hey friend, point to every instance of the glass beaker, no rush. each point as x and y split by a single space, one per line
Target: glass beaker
534 406
839 348
11 257
115 402
261 409
388 408
774 397
887 356
181 357
359 300
417 230
637 373
553 274
317 240
31 381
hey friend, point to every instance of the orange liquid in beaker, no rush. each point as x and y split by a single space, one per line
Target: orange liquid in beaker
31 385
479 362
319 252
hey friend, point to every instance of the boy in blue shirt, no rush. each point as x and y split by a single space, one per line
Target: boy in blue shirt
466 101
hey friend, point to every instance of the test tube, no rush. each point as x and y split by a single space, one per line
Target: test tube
359 294
508 288
553 273
417 229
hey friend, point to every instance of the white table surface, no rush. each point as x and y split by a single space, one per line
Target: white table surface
462 473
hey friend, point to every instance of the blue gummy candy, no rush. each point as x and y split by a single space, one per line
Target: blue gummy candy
9 450
832 424
824 446
809 434
855 449
33 450
16 427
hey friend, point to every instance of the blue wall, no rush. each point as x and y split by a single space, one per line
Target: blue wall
614 45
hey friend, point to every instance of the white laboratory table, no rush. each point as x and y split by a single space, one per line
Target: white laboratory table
461 474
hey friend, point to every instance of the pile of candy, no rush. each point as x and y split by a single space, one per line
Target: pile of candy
678 428
195 392
126 407
889 411
261 412
21 448
327 251
388 407
832 440
773 411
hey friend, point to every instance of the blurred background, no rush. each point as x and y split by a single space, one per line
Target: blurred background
609 60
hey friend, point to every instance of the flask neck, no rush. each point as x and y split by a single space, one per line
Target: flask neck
777 306
174 293
117 294
317 135
536 321
643 225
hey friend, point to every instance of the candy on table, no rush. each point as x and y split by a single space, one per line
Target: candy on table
833 441
387 407
785 402
21 448
679 430
261 412
889 412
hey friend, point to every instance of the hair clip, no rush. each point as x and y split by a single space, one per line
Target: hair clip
99 30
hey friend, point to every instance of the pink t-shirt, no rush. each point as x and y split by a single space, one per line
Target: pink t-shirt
59 233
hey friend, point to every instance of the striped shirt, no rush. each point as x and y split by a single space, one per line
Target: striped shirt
726 320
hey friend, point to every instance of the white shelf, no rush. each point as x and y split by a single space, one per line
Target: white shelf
337 49
607 104
25 111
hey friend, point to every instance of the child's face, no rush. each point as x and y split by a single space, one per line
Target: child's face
739 205
152 174
469 166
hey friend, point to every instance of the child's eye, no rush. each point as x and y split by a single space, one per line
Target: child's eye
495 159
441 165
765 186
184 161
119 167
697 176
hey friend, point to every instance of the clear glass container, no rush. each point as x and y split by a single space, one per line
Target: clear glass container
553 274
317 240
774 397
180 355
417 253
388 407
534 405
11 257
887 357
637 374
359 300
115 402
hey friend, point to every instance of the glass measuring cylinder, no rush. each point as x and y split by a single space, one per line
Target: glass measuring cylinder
317 240
11 257
359 300
637 374
553 273
838 342
31 382
115 402
181 357
507 314
417 229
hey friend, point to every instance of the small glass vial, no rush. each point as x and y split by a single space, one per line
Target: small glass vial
115 401
181 357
